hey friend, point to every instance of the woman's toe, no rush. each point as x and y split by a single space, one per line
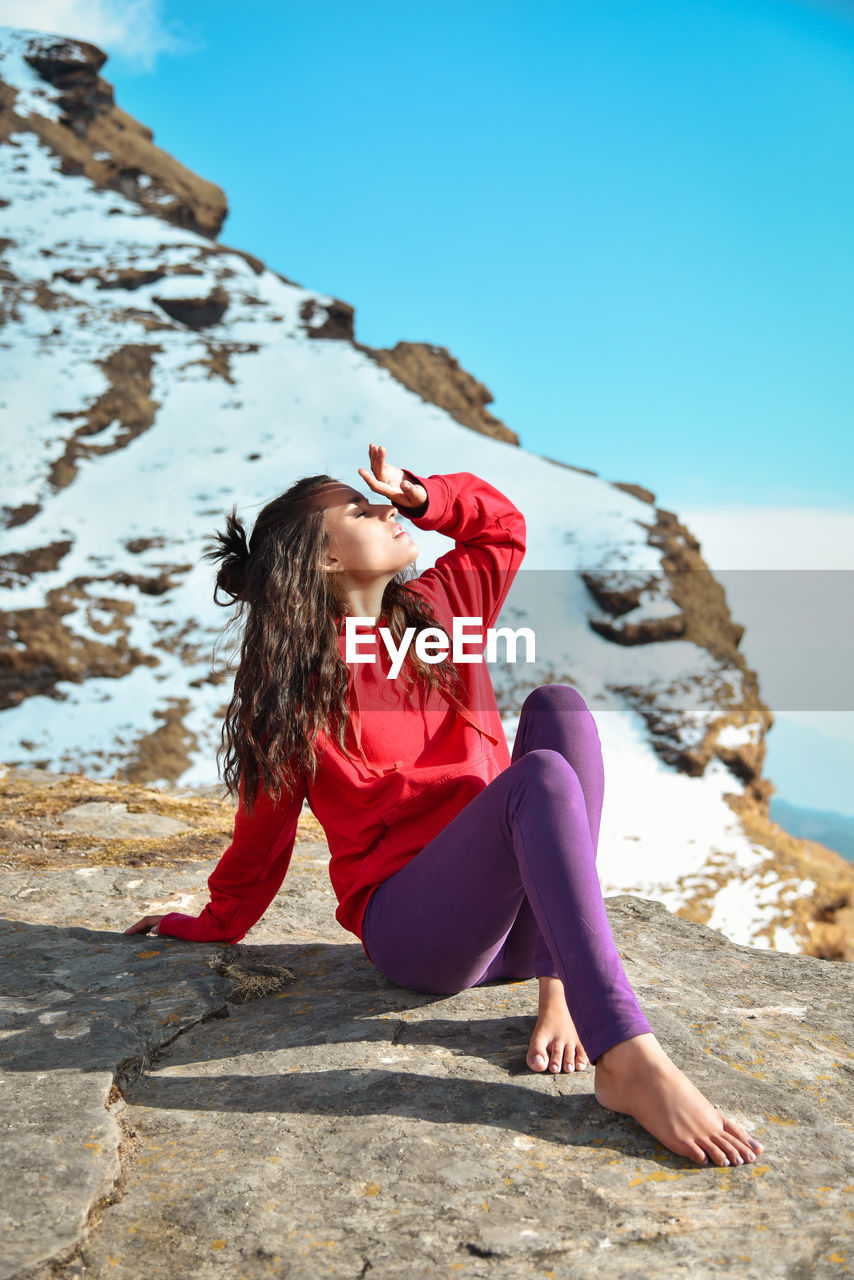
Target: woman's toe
569 1058
736 1141
538 1054
693 1151
738 1134
715 1151
744 1149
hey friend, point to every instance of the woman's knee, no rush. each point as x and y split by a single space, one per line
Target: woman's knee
545 783
562 696
546 768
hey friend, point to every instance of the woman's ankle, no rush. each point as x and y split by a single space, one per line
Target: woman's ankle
625 1051
551 991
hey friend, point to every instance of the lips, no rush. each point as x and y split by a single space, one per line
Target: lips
398 531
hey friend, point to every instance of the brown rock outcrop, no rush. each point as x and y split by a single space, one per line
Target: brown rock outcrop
96 138
127 401
437 376
701 616
823 904
195 313
334 320
38 650
428 370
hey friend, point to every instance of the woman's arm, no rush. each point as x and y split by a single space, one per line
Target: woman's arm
489 532
247 877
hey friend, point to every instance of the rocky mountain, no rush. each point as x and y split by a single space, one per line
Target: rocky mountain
153 376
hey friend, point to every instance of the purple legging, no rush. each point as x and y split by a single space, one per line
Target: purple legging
509 889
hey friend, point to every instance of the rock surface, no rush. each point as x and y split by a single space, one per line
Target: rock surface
162 1122
108 820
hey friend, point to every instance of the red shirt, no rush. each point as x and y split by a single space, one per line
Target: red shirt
418 757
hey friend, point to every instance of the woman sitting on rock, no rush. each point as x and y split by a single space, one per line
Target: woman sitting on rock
452 863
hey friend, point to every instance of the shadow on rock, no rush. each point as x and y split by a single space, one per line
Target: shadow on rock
81 998
568 1120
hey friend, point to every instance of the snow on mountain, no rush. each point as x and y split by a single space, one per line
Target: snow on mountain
153 377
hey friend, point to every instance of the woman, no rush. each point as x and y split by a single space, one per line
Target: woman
451 862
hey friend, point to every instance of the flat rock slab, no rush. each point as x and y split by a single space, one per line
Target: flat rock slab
77 1008
109 820
346 1127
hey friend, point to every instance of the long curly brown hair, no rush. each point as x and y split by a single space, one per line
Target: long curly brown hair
291 681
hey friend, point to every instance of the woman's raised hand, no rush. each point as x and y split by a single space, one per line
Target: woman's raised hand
146 924
390 481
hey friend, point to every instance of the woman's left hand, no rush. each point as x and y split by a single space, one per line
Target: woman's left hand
391 482
146 924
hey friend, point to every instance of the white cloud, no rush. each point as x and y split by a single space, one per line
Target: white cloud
748 537
136 29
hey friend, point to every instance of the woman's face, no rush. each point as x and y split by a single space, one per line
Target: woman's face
365 538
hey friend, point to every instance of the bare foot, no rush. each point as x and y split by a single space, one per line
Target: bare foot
637 1078
555 1044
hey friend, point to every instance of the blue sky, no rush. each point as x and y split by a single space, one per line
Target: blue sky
630 220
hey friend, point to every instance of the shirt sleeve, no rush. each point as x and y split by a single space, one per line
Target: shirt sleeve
248 875
474 578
